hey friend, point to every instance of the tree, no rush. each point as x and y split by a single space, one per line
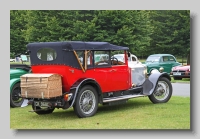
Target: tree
17 26
144 32
171 32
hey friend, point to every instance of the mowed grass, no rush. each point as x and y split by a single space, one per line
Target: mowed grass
138 113
184 80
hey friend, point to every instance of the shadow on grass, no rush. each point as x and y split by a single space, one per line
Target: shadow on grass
132 104
102 109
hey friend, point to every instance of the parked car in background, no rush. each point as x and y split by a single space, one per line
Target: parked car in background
132 59
16 70
180 72
157 61
12 60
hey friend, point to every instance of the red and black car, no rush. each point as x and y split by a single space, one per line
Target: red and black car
88 81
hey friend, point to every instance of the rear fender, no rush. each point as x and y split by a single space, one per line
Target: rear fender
13 82
80 83
150 83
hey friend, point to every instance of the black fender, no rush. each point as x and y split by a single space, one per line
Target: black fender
150 83
85 81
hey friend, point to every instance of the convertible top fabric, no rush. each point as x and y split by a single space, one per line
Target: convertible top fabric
78 45
64 53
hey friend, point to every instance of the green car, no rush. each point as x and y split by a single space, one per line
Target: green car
16 70
157 61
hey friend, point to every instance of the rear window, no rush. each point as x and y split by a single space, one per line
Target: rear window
46 54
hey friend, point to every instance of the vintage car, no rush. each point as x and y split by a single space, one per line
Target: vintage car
84 85
17 70
180 72
161 61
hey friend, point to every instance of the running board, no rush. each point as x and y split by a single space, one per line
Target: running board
106 100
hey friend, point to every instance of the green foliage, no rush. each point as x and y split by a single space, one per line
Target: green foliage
171 33
17 26
144 32
12 55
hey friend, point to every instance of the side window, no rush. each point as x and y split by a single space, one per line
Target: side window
133 58
90 58
46 54
165 58
171 59
101 58
80 56
118 57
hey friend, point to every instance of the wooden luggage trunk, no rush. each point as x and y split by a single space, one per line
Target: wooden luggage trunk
43 86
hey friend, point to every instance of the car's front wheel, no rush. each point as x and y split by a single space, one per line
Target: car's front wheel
163 91
86 103
15 96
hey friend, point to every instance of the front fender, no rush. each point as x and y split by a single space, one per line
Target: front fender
13 82
150 84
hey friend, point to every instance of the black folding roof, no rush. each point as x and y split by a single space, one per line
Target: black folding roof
77 45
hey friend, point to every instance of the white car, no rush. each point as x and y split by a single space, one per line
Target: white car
132 59
12 60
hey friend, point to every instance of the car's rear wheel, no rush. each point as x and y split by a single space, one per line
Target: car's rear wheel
15 96
86 103
163 91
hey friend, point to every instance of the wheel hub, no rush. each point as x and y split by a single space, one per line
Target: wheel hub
160 91
90 102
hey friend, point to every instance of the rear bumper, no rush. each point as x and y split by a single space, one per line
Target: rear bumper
182 74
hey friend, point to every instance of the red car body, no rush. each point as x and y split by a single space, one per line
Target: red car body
119 75
180 72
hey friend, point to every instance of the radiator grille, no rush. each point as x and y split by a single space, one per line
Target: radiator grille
138 75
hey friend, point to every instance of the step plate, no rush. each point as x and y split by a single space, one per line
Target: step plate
105 100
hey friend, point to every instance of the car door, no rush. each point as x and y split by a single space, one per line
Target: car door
119 76
167 62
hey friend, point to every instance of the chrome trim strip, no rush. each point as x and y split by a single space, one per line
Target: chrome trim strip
105 100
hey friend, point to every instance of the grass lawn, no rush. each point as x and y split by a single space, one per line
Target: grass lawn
138 113
184 80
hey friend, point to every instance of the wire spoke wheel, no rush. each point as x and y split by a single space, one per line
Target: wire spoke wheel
86 103
163 91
